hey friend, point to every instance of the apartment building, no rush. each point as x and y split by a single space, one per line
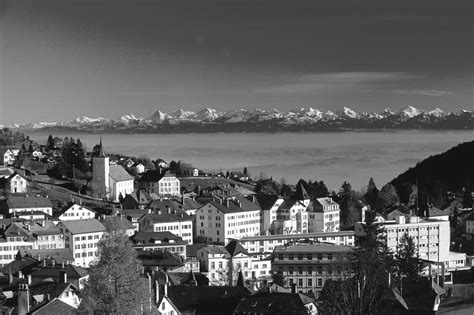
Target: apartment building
15 237
27 203
151 241
161 183
224 219
171 220
323 215
308 266
269 205
267 243
292 214
82 237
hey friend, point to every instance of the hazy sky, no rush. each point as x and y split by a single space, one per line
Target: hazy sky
63 59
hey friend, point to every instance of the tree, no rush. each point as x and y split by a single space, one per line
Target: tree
365 288
73 158
407 258
30 149
350 207
371 194
245 171
279 278
50 143
114 285
386 198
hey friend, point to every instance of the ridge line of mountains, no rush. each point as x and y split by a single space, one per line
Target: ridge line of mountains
243 120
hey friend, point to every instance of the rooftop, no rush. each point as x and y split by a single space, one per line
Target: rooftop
149 238
84 226
165 217
28 201
297 236
315 248
325 202
119 174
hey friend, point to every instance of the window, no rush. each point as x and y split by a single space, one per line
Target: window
291 257
300 256
320 282
310 256
329 256
300 282
320 256
310 282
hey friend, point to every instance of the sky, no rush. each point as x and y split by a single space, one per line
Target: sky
64 59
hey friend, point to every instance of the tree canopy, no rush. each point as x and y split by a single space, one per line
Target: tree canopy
114 285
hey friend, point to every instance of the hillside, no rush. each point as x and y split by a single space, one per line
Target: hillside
448 171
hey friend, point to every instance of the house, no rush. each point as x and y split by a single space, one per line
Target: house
137 200
27 203
14 237
176 222
186 203
55 306
6 172
470 225
195 172
308 266
17 183
37 154
276 303
139 168
201 299
76 212
7 156
292 215
269 205
226 218
438 214
156 260
134 215
324 216
59 255
82 237
161 183
150 241
118 224
48 235
60 272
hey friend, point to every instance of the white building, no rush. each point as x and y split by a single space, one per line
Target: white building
76 212
8 156
176 222
324 216
161 183
18 183
269 205
267 243
431 237
82 237
232 218
120 181
100 175
25 203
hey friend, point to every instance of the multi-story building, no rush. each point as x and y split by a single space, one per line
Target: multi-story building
431 236
323 216
82 237
292 214
226 219
267 243
17 183
214 260
47 235
151 241
159 182
15 237
26 203
76 212
308 266
269 205
171 220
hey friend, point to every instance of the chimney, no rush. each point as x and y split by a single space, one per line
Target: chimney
166 286
254 200
20 274
159 211
10 278
23 299
28 277
227 203
63 276
149 211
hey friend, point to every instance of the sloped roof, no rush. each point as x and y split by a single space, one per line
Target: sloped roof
216 249
19 265
56 306
207 299
54 272
59 255
84 226
164 217
148 238
116 223
316 248
134 213
234 248
24 201
301 193
179 278
234 207
266 201
161 205
141 197
72 205
433 211
272 303
151 176
325 202
18 229
119 174
49 228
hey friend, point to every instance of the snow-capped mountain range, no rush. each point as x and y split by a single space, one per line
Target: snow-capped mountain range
306 118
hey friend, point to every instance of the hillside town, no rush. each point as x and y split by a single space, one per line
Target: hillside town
216 243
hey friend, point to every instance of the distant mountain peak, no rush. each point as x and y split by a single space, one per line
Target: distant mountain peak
410 111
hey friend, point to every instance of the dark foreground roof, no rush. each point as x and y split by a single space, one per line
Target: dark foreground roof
272 303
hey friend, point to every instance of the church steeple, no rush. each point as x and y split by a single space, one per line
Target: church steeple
101 150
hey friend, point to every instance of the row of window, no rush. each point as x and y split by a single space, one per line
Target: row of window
305 256
85 254
89 237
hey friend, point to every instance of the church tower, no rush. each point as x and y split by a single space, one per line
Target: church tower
100 174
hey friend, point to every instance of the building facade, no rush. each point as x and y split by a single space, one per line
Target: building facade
324 216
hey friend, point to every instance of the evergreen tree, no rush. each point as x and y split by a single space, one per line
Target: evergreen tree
350 207
114 285
73 158
407 258
50 143
279 278
30 149
386 198
227 174
245 171
371 194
